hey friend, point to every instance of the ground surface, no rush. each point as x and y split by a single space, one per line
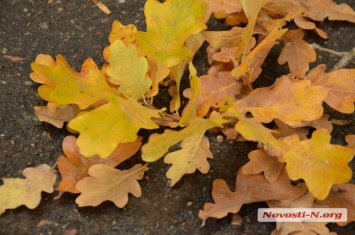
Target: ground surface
77 30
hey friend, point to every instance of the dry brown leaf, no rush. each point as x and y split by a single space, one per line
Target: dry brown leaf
286 130
259 162
249 188
340 85
55 114
297 53
225 55
105 183
75 166
218 39
291 101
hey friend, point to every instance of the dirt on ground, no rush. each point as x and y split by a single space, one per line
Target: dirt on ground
78 30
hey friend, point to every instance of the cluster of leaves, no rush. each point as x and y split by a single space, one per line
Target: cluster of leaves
108 106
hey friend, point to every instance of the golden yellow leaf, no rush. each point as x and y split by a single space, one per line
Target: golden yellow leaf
169 24
291 101
126 33
297 53
317 162
159 144
118 121
193 155
128 70
16 192
62 85
251 9
106 183
219 39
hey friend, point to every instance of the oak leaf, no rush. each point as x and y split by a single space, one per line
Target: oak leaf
249 188
55 114
342 196
159 144
16 191
296 52
74 166
350 139
213 91
164 44
126 33
106 183
286 130
321 9
291 101
127 69
192 155
219 39
63 85
340 85
319 167
259 162
118 121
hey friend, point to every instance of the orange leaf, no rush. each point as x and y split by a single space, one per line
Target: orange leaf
297 53
249 188
260 161
75 166
291 101
319 167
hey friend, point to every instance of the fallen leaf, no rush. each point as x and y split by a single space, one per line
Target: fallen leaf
106 183
249 188
339 83
56 115
291 101
16 191
297 53
259 162
193 155
319 167
74 166
14 59
219 39
118 121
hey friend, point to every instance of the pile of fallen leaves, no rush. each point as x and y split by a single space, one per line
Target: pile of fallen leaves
107 107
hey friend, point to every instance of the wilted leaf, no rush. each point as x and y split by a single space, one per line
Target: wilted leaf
74 166
164 44
259 162
297 53
317 162
291 101
213 91
118 121
159 144
321 9
127 69
62 85
249 188
219 39
56 115
109 184
16 191
340 85
342 196
193 155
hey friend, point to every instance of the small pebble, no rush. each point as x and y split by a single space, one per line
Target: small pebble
44 25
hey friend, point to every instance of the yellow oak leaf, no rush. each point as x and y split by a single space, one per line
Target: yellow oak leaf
126 33
106 183
16 191
74 166
193 155
55 114
291 101
340 85
260 161
159 144
297 53
127 69
63 85
118 121
317 162
219 39
169 24
249 188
